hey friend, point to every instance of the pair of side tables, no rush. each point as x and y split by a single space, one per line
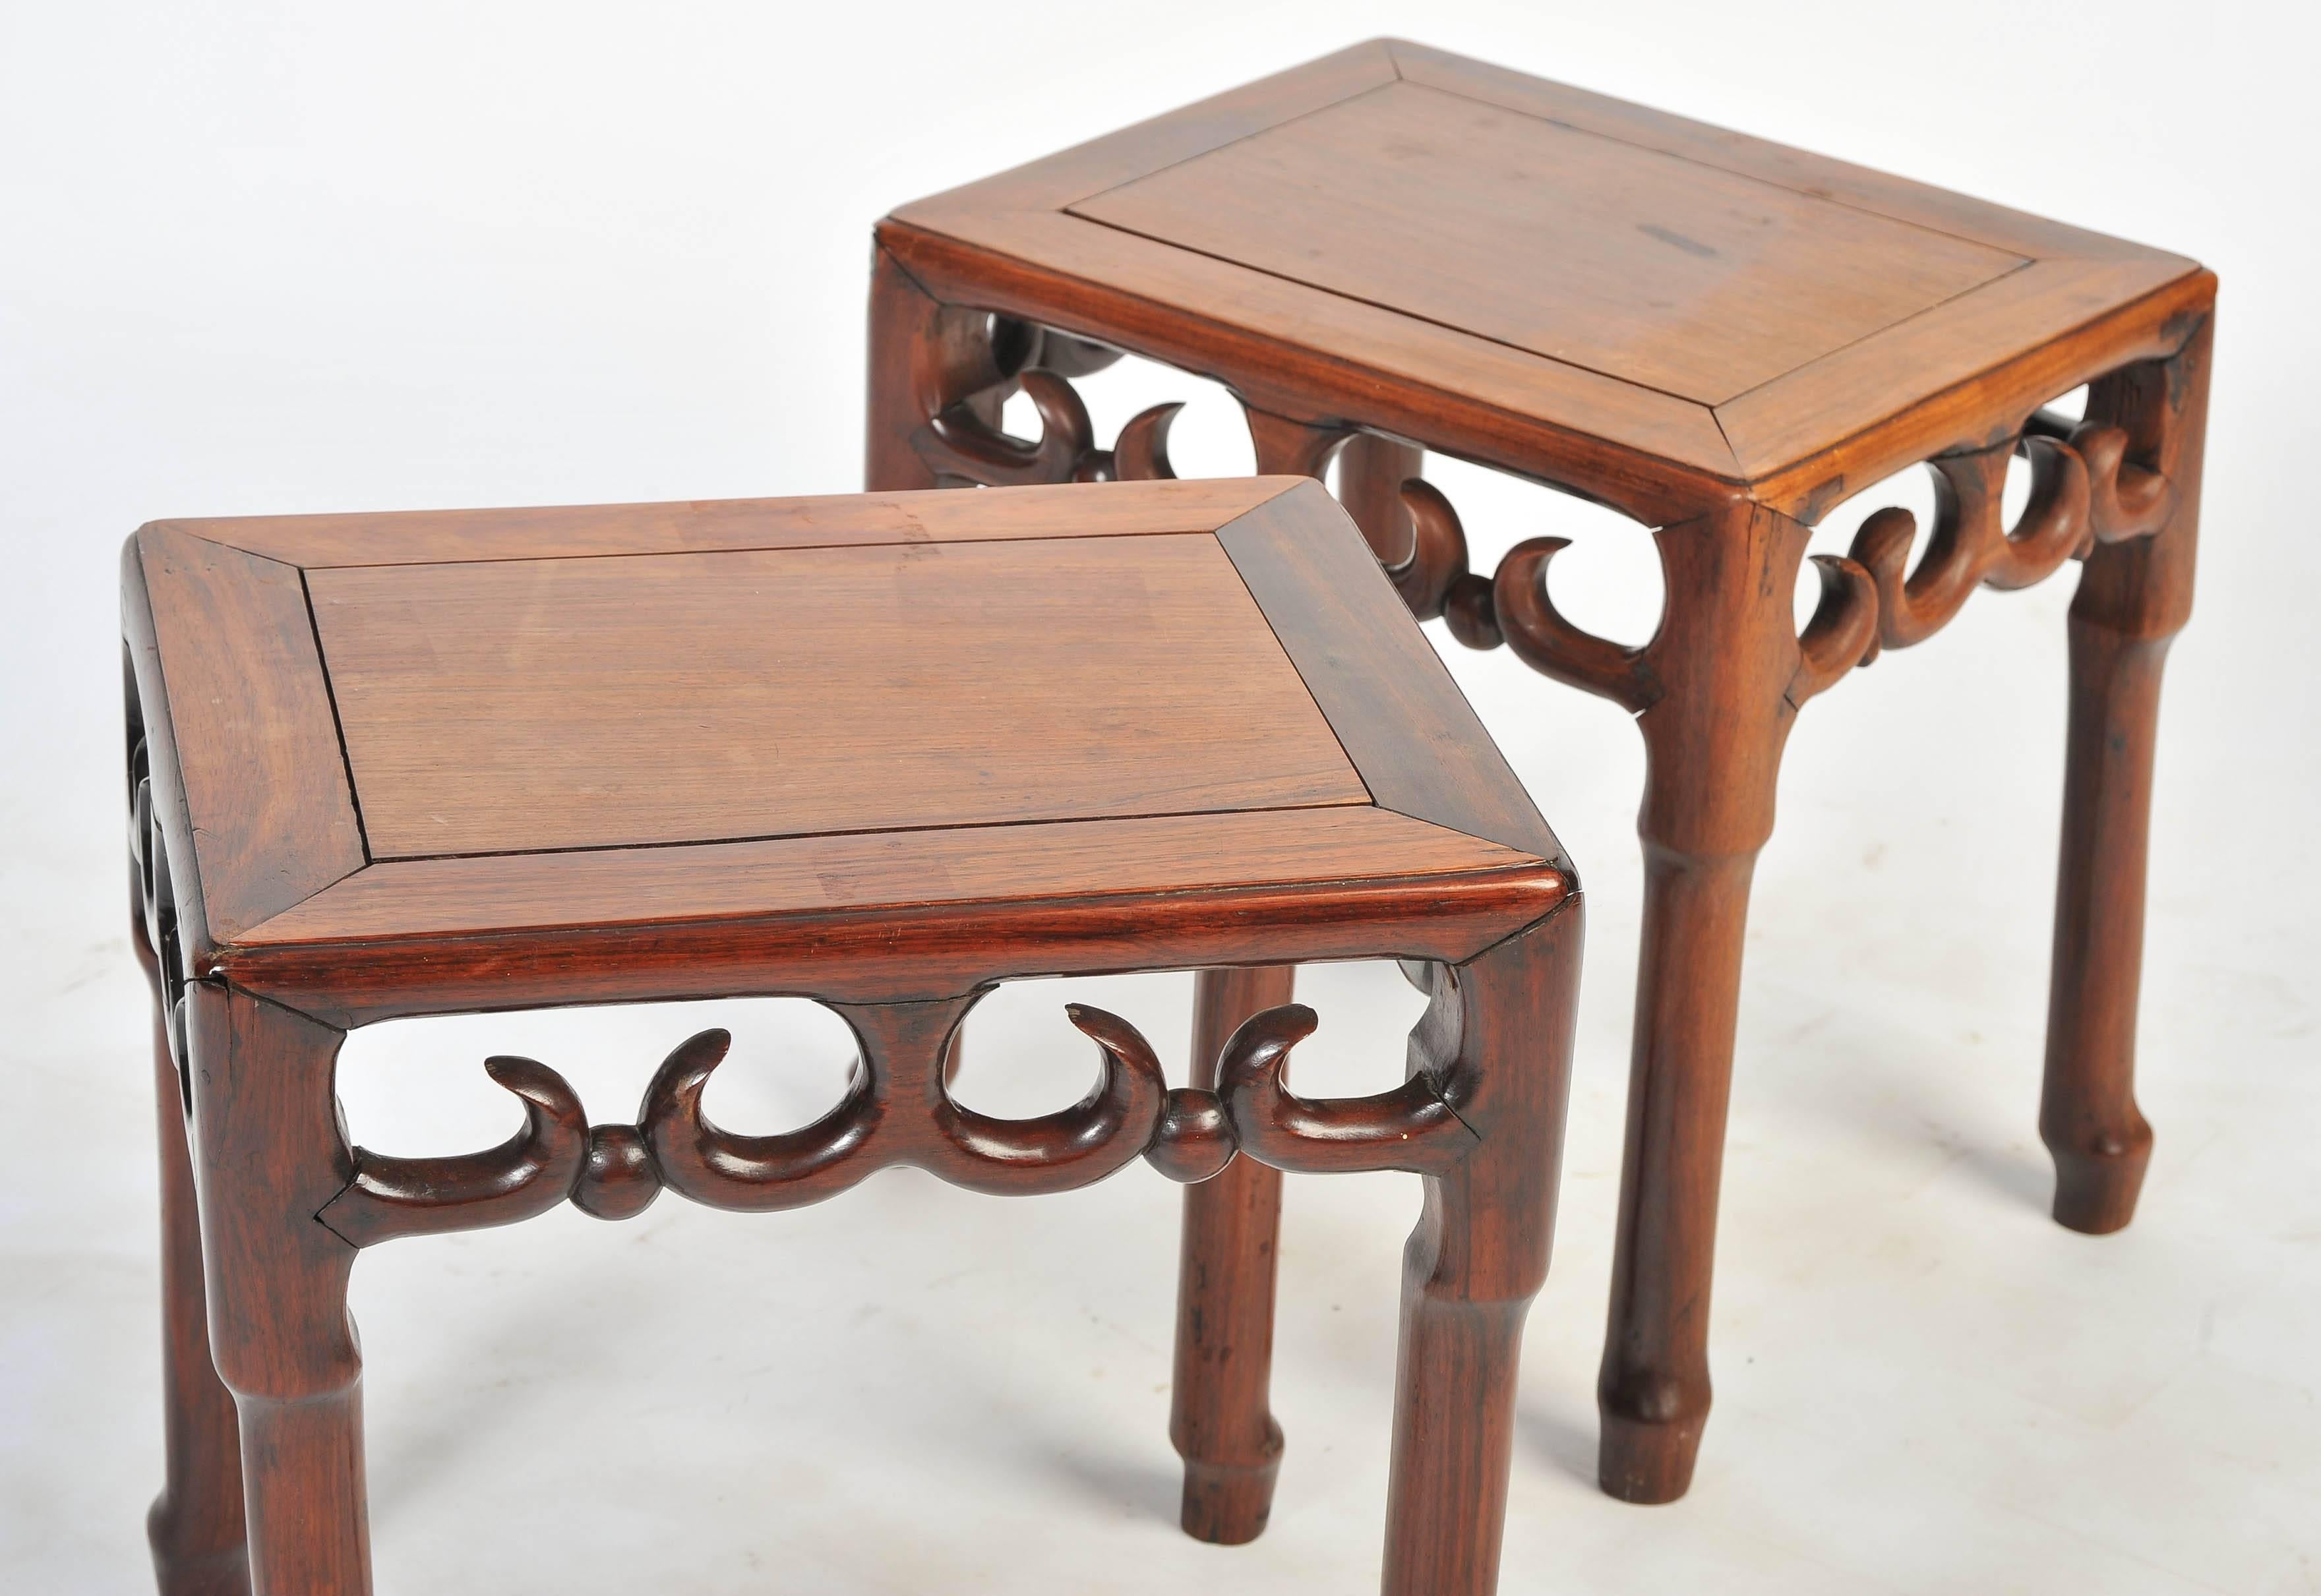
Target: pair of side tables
888 751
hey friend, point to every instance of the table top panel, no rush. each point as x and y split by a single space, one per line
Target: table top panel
1580 248
1653 311
402 760
522 705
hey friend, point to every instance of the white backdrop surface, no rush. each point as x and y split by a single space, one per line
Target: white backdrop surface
272 258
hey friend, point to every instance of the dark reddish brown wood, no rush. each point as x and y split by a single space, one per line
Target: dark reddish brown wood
897 903
1497 1044
424 937
909 336
267 761
1371 471
196 1526
2136 596
1724 338
1387 694
267 1158
1219 1416
1718 677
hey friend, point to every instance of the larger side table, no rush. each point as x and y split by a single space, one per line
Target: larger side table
1393 249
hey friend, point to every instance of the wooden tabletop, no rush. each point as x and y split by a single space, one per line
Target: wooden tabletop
459 759
1672 296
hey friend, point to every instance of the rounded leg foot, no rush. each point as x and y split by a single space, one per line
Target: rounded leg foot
2095 1184
185 1565
1646 1461
1226 1504
1219 1419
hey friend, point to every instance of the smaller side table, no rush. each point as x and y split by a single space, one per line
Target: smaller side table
883 752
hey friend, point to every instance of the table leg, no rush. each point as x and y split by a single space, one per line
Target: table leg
1724 661
2133 599
195 1526
1478 1257
268 1157
1219 1418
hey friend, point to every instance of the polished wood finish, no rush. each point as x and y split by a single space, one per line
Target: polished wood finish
2136 596
1661 271
501 707
1467 1279
224 615
195 1526
1121 739
1394 251
1337 256
1220 1417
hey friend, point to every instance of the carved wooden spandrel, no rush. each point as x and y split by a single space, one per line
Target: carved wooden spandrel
899 1109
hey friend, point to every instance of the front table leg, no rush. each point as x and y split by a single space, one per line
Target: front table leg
268 1156
1725 674
195 1526
1219 1418
2134 597
1478 1255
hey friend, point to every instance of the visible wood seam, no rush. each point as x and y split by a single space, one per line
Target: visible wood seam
1074 819
2122 311
1410 315
1257 603
338 721
1571 897
512 559
1829 354
1359 93
1521 864
1321 358
1856 206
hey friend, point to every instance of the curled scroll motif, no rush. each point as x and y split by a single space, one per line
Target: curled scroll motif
1436 566
896 1110
1140 453
959 444
1971 545
964 444
529 1174
1409 1127
2124 500
1537 633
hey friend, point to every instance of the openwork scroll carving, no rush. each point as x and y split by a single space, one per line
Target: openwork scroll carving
897 1110
2084 492
963 442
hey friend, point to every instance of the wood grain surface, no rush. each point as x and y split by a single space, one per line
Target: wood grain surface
269 816
1643 308
1637 264
429 537
535 704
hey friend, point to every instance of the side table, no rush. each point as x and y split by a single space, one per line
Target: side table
883 752
1393 249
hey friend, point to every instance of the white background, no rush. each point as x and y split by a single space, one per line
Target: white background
263 258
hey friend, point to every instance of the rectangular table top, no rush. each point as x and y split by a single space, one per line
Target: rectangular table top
393 750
